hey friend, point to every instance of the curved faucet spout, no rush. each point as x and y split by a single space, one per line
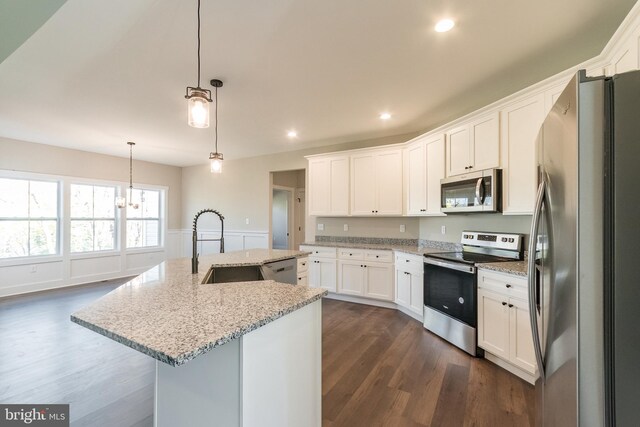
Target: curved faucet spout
195 240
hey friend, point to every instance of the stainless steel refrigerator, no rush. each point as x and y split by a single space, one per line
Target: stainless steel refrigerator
584 281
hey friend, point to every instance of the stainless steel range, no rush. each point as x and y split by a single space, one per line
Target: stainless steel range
450 284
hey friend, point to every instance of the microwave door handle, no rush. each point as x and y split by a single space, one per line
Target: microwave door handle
478 187
532 278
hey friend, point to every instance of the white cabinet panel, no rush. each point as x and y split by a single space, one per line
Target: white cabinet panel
363 186
493 323
403 288
379 283
520 126
389 182
352 276
417 292
521 351
474 146
434 150
485 146
329 185
458 151
322 273
415 171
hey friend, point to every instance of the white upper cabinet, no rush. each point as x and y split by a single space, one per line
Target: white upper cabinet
376 182
521 123
329 186
424 168
474 145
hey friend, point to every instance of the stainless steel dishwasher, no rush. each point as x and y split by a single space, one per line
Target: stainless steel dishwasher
281 271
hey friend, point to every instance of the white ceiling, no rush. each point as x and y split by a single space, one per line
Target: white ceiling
100 73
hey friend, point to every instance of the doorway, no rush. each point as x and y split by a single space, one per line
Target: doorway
288 209
281 217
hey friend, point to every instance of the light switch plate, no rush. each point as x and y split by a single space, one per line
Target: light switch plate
402 228
345 227
320 227
443 229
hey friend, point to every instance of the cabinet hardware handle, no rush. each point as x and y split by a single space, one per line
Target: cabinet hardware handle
510 305
377 256
350 254
470 167
508 286
504 303
406 260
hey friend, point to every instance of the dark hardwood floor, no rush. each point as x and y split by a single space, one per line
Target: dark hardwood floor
380 367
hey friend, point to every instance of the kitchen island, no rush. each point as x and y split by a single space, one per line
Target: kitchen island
232 354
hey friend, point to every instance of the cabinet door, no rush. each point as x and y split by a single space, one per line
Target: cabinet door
303 279
415 163
388 174
493 323
363 184
339 187
485 142
458 151
521 342
351 278
434 152
417 290
379 283
322 273
319 182
403 288
520 126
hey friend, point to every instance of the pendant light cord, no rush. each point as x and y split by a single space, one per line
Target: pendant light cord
216 126
130 170
198 43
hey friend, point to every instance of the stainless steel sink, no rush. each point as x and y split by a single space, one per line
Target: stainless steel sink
233 274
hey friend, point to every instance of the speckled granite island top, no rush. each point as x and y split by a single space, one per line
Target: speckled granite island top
168 314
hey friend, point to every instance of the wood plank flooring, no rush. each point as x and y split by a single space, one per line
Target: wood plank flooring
380 368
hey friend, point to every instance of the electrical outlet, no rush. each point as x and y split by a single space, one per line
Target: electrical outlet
320 227
443 229
402 228
246 221
345 227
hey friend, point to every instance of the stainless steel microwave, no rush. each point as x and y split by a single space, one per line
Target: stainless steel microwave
479 191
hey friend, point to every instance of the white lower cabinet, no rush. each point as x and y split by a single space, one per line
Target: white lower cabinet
504 329
409 282
366 279
322 273
351 277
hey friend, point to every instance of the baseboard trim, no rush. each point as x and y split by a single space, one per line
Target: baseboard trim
362 300
518 372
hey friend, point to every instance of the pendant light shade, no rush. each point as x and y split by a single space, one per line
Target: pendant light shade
198 99
216 162
198 109
216 158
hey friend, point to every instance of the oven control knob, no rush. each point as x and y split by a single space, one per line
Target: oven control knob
461 300
504 239
511 240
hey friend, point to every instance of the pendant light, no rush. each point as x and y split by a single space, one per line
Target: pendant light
216 158
198 99
121 202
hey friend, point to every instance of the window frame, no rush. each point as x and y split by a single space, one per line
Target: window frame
59 220
116 218
162 224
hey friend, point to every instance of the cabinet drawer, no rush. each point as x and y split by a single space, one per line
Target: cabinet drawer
505 284
303 265
303 279
346 253
378 256
320 251
408 262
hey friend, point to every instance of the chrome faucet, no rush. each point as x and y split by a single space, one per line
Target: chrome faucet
194 253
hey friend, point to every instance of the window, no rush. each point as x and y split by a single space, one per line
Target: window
28 218
143 224
93 218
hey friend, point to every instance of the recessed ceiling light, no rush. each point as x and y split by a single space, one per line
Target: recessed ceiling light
292 134
385 116
444 25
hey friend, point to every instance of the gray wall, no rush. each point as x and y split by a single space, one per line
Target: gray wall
46 159
430 227
369 227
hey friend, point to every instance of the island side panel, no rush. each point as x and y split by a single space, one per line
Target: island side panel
282 371
203 392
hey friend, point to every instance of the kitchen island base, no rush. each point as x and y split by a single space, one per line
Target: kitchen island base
268 377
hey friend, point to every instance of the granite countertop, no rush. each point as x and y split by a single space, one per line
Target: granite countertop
410 249
519 268
168 314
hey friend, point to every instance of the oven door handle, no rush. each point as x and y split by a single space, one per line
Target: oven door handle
452 265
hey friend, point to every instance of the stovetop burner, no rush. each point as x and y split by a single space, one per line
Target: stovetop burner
469 257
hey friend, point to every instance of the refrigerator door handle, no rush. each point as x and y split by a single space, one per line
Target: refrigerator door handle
533 237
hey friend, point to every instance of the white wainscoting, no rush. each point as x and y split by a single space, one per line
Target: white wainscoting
37 274
234 240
